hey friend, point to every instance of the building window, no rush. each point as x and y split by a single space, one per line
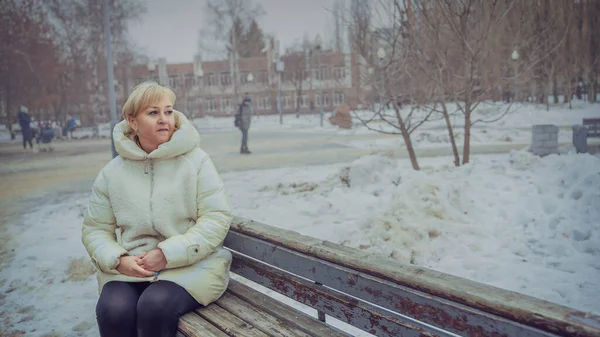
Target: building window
339 73
225 78
210 80
321 73
244 76
326 101
287 101
226 104
210 105
338 98
190 107
174 81
304 101
264 103
190 81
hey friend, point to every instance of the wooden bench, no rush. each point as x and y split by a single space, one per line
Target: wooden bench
376 294
593 126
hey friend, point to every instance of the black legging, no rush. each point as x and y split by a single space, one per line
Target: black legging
142 309
25 140
244 139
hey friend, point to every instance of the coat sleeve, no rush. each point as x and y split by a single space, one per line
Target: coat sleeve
99 224
212 224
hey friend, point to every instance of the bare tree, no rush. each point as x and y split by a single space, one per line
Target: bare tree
295 73
222 16
28 58
78 30
387 74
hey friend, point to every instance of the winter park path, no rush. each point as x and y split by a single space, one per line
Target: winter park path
73 166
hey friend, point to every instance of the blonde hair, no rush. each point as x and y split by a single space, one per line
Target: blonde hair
141 97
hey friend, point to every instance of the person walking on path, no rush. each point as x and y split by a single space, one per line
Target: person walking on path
156 221
25 123
71 126
243 119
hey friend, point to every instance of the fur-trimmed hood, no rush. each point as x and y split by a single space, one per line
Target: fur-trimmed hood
183 140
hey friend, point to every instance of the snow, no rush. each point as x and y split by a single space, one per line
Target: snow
468 221
514 221
518 116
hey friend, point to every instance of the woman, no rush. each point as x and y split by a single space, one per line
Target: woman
156 221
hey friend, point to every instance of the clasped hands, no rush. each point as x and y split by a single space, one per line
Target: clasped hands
143 265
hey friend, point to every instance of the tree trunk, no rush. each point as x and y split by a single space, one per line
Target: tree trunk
569 95
451 134
554 89
406 136
467 140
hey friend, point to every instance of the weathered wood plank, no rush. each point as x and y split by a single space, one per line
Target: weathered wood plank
513 306
276 308
261 320
229 323
192 325
292 316
445 314
345 308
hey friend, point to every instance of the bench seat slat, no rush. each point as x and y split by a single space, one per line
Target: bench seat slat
192 325
300 320
229 323
261 320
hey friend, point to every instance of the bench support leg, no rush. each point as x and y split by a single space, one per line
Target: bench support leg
321 314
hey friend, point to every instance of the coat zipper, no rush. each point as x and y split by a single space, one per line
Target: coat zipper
149 169
146 165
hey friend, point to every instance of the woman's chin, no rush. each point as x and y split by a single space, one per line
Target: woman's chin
161 139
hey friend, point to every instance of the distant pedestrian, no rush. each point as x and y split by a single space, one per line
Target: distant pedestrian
25 123
46 137
71 126
243 119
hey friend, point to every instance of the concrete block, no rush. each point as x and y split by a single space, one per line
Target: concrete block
580 134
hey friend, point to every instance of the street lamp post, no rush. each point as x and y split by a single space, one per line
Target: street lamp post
318 50
279 67
151 68
381 57
199 74
111 82
515 58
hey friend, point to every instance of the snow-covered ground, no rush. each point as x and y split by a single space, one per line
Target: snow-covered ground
515 126
515 221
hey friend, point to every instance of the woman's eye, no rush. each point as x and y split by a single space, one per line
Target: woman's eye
169 112
153 112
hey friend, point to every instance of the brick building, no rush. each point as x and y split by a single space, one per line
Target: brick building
206 88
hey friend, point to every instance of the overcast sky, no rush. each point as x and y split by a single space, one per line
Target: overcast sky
170 28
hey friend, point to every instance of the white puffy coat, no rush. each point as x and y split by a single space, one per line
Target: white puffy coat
173 199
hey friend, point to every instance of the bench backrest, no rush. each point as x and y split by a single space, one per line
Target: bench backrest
388 298
593 126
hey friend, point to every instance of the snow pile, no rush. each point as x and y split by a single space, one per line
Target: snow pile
515 221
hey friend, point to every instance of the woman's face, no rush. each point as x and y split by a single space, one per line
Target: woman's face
154 125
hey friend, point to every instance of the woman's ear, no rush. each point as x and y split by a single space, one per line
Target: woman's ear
132 122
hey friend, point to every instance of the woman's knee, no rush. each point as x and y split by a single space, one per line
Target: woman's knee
117 303
163 299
